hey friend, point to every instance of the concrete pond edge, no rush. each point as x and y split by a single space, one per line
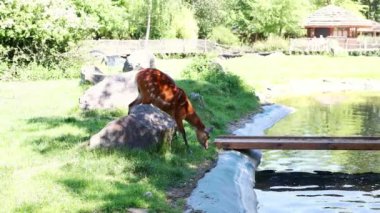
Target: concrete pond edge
229 186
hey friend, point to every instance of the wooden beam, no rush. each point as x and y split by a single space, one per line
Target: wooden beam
298 142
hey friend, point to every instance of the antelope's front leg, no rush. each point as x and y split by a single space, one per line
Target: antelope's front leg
133 103
181 129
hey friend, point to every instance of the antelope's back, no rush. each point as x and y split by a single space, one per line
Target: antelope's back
157 87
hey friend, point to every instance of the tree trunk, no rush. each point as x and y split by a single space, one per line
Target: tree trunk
148 23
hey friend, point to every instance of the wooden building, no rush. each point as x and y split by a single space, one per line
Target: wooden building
333 21
374 30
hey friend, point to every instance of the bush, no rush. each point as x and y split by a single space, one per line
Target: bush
39 31
183 25
34 71
273 43
202 68
223 35
112 20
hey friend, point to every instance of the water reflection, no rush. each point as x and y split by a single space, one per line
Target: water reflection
350 181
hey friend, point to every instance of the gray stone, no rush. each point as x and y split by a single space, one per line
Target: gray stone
139 59
198 99
146 127
91 74
115 91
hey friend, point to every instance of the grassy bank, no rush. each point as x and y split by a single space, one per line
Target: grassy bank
44 168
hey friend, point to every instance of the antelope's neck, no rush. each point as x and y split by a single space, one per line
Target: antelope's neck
195 121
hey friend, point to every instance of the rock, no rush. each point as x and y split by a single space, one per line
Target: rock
197 98
91 74
113 60
139 59
146 127
108 60
116 91
148 194
135 210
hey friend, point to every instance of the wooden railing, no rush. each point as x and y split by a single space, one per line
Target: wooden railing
163 46
334 44
298 142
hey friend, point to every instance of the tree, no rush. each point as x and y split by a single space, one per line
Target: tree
255 19
148 22
351 5
371 9
209 14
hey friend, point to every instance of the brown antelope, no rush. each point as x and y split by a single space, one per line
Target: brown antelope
157 88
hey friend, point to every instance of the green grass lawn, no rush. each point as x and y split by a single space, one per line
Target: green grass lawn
44 167
262 71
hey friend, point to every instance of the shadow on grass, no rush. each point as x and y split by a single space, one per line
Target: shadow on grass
139 181
90 122
45 144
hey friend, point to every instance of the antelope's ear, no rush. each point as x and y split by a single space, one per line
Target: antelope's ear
209 130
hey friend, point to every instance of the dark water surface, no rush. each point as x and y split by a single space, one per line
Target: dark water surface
323 181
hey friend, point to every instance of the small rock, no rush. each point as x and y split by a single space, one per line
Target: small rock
148 194
135 210
91 74
138 60
198 98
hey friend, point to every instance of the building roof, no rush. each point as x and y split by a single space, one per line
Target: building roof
374 28
333 16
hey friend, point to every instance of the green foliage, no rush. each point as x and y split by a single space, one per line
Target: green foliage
111 20
39 31
34 71
202 68
183 25
257 19
223 35
351 5
162 15
210 14
371 9
273 43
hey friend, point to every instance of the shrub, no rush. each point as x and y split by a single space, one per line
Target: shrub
223 35
202 68
34 71
39 31
183 25
273 43
112 20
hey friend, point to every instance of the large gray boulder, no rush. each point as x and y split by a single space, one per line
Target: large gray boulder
91 74
115 91
139 59
146 127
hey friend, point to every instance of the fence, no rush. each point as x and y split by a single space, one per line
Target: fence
163 46
361 44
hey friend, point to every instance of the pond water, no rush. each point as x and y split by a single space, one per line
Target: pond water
323 181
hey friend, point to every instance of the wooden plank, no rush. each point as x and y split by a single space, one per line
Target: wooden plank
298 142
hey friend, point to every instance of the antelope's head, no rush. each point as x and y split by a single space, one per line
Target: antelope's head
203 136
